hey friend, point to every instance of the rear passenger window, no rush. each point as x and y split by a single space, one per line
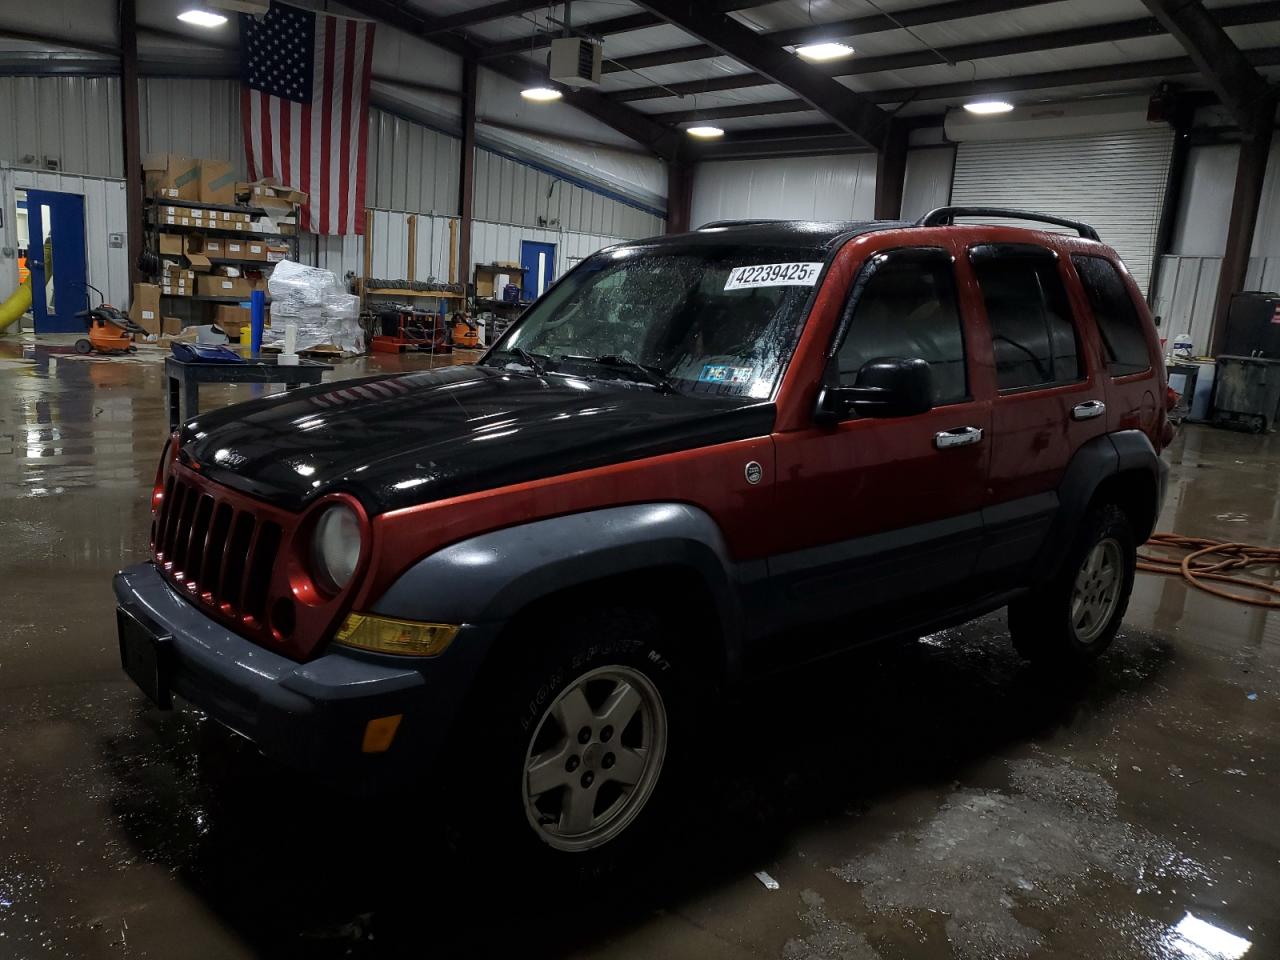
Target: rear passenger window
1035 341
906 307
1119 324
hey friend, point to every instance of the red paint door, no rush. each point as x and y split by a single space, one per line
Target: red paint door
1049 398
872 512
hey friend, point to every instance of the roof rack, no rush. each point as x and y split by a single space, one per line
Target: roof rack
944 216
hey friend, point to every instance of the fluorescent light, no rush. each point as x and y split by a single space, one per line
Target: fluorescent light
819 52
705 133
202 18
541 94
989 106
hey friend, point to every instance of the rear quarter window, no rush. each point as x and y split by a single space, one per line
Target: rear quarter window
1119 323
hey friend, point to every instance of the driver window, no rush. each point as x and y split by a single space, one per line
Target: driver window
908 309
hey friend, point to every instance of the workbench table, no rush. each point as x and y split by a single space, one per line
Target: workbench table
184 380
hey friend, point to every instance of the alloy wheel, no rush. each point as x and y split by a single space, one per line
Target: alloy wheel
594 758
1097 589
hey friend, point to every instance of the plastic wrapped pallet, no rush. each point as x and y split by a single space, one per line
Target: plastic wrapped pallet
326 315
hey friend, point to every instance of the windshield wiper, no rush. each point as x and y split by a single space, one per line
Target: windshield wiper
654 376
530 360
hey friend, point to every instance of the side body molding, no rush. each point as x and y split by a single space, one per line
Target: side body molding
491 577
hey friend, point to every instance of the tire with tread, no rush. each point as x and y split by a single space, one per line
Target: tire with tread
533 671
1041 624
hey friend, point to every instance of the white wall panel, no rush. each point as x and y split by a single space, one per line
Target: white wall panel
928 180
73 121
508 191
1114 181
107 267
800 188
411 167
196 117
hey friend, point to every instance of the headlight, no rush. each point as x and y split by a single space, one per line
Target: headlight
335 547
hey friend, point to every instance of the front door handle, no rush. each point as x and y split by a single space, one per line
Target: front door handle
1088 410
959 437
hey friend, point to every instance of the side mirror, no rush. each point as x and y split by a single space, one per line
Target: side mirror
885 387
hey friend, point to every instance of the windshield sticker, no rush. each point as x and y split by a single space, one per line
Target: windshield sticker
723 373
773 275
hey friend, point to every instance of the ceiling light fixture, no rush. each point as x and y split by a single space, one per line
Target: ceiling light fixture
821 52
705 133
984 107
202 18
541 94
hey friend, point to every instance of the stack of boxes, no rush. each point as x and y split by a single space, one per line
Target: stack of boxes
216 265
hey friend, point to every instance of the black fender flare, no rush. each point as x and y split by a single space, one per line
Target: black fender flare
489 578
1097 460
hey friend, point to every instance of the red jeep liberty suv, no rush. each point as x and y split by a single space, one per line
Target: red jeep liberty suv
684 461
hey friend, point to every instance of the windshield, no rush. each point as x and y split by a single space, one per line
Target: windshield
700 320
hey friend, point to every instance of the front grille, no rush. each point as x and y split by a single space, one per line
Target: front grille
219 552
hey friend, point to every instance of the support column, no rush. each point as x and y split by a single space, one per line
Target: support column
679 195
891 172
1252 166
467 177
126 27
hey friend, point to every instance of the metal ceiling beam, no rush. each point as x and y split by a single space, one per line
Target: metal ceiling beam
835 30
603 28
846 108
1235 81
494 11
662 140
1241 15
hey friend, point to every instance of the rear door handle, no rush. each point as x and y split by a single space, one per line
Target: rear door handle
959 437
1088 410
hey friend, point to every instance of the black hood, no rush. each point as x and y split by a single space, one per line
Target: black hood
400 440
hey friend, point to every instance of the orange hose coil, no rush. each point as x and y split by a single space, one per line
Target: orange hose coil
1205 563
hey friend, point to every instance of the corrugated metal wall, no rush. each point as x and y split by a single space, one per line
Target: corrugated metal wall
74 121
411 167
511 192
1187 287
928 180
104 213
808 188
500 242
198 117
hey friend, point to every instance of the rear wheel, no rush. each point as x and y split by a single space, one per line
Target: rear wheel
1073 618
83 346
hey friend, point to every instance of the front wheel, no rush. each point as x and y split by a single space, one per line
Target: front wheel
589 722
1073 618
83 346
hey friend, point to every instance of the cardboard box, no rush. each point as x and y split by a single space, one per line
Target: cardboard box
144 308
255 250
171 326
171 175
217 182
171 244
277 252
212 285
235 249
214 247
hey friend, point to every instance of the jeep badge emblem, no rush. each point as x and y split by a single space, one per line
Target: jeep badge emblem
754 472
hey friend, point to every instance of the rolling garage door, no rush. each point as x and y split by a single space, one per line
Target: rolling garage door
1115 181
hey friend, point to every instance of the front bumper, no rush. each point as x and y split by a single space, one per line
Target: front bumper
312 715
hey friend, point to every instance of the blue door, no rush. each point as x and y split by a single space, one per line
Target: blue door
57 285
539 262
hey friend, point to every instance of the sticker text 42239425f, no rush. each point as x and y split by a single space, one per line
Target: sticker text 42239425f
773 275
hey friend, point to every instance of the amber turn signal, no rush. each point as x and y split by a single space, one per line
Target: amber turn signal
379 732
409 638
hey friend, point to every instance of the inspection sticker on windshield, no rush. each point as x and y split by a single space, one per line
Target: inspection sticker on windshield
723 373
774 275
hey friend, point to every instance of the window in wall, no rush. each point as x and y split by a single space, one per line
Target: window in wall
1119 323
907 308
1035 341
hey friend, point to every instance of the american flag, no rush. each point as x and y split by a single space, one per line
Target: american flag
304 103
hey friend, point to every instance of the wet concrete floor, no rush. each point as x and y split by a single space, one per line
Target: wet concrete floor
936 800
